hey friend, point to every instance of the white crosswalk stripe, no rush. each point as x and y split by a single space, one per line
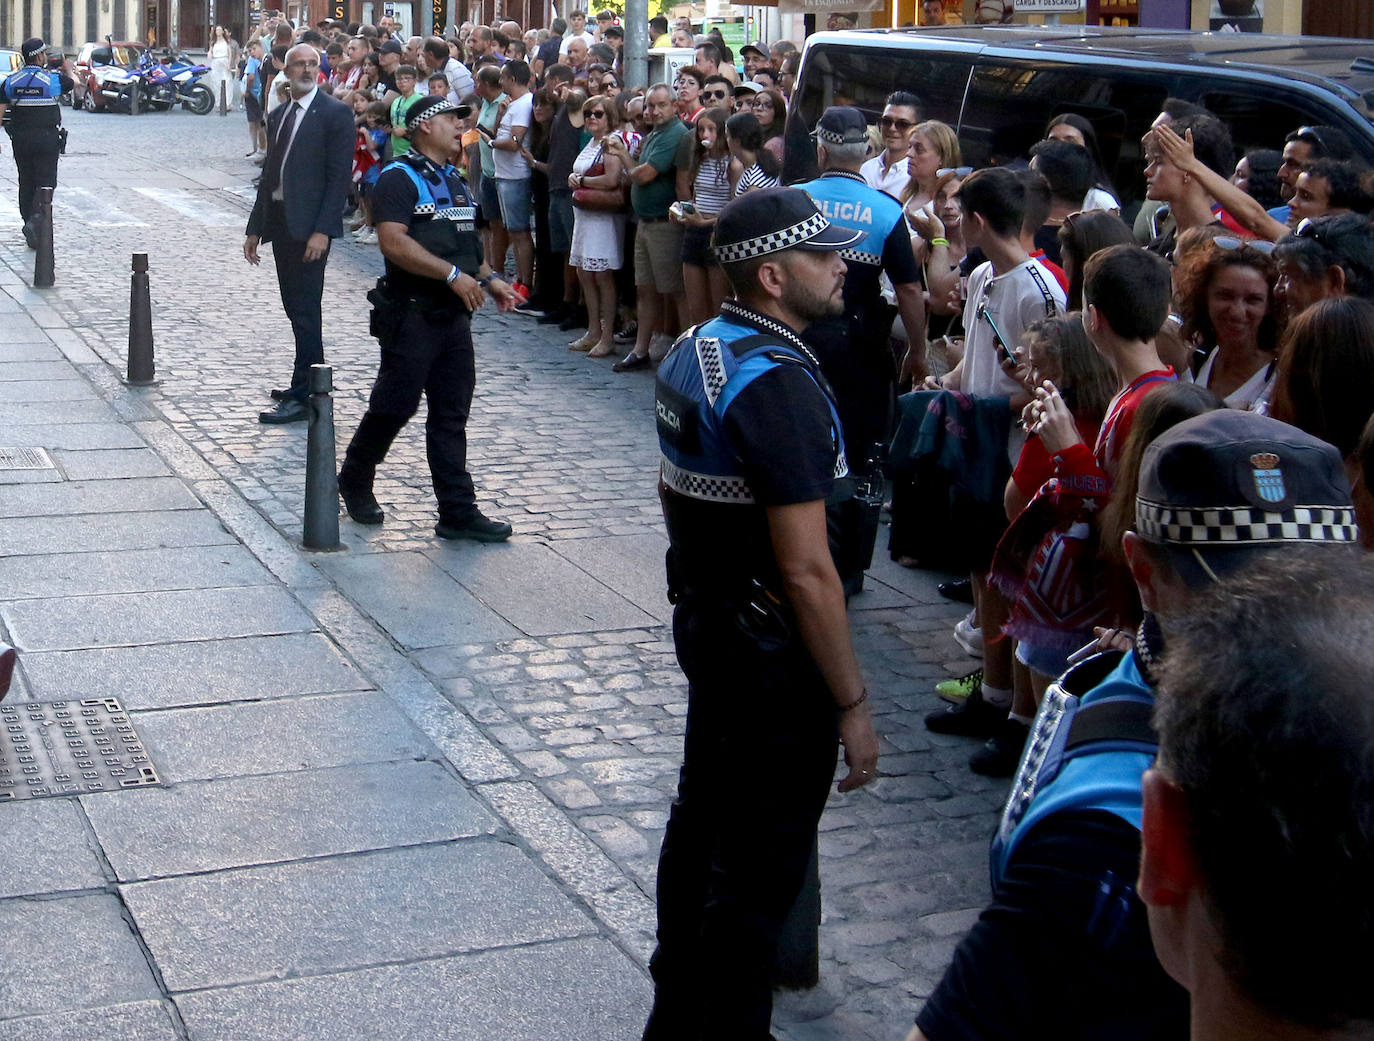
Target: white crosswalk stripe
194 205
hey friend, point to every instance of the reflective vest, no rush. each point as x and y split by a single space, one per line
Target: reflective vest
444 221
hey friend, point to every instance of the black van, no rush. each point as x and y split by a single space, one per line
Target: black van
999 86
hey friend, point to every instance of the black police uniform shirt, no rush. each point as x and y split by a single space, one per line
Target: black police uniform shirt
394 200
32 93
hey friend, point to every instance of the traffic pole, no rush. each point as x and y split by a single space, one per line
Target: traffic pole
636 43
140 371
321 475
44 268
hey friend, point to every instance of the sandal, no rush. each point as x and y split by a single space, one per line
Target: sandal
601 350
582 343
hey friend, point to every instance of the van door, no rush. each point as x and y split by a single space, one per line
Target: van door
1259 116
1010 102
834 74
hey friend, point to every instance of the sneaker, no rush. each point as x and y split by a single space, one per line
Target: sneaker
1002 753
628 334
530 311
367 238
475 527
555 316
522 292
956 692
659 346
974 718
969 636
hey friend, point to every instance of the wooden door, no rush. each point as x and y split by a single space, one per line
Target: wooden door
1338 18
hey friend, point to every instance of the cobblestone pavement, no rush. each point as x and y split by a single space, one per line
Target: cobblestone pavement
561 659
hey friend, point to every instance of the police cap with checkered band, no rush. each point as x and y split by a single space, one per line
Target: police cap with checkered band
1218 487
770 220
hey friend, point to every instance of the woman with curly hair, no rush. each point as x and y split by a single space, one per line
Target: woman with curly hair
1226 301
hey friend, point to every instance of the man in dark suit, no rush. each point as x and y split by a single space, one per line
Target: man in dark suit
299 208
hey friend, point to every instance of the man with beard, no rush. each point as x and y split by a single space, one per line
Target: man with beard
299 208
752 448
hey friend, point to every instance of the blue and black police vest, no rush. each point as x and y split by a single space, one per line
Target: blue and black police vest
697 384
445 222
846 199
1089 747
33 94
437 200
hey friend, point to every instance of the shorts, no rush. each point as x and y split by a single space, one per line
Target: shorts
514 196
658 256
1048 661
252 108
560 220
696 247
489 201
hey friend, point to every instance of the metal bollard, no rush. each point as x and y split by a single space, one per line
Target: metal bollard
223 98
140 325
133 99
321 474
44 270
799 946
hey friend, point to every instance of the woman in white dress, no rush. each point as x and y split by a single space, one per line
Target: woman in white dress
221 53
598 235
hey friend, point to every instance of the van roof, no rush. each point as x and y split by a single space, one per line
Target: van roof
1335 62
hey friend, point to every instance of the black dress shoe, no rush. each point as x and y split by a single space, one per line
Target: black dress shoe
288 410
474 526
631 362
30 235
576 319
960 590
555 316
974 718
360 504
1002 753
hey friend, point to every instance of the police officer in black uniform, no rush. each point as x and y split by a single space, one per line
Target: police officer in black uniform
422 308
752 448
35 125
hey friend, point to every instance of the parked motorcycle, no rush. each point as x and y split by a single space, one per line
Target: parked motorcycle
173 81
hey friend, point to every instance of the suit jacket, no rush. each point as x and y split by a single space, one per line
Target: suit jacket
315 177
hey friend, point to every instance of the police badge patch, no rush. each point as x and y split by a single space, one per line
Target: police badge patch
1268 477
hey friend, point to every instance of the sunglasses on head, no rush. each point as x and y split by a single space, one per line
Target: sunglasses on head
1231 242
1313 133
954 171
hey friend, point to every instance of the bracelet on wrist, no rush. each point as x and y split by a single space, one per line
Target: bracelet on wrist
453 274
939 242
855 703
484 282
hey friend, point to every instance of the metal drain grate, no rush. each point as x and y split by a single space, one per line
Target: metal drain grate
70 748
24 459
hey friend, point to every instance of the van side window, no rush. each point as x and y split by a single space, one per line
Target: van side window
1261 121
1009 105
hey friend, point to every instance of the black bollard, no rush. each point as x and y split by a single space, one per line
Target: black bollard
321 474
44 271
223 98
799 946
140 325
133 98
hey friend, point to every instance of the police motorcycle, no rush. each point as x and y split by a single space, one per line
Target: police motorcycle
172 81
110 88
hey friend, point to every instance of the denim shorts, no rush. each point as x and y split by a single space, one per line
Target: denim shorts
560 220
488 201
515 202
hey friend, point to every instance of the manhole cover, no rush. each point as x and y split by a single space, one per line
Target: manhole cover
24 459
70 748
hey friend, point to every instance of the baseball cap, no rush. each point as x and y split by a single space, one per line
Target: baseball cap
391 47
770 220
753 47
431 106
1221 486
746 87
841 125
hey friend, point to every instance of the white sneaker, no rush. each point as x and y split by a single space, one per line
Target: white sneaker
659 346
369 238
969 636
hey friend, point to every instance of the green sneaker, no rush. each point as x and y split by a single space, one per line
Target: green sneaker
956 692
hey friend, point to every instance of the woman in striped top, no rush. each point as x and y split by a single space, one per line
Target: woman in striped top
757 166
706 185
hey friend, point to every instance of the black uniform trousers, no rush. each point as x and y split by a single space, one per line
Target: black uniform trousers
759 758
302 287
431 354
35 159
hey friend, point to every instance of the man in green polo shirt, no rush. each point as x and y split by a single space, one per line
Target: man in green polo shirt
658 242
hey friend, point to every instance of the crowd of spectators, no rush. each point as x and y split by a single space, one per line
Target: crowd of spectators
1071 340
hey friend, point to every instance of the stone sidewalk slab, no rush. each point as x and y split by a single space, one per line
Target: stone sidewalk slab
82 433
70 623
578 990
196 673
537 591
207 825
85 533
87 465
630 564
48 849
95 962
413 599
64 574
135 1021
278 736
12 370
97 496
340 913
72 389
44 413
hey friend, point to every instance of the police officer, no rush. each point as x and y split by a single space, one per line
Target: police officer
853 346
752 447
35 125
435 279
